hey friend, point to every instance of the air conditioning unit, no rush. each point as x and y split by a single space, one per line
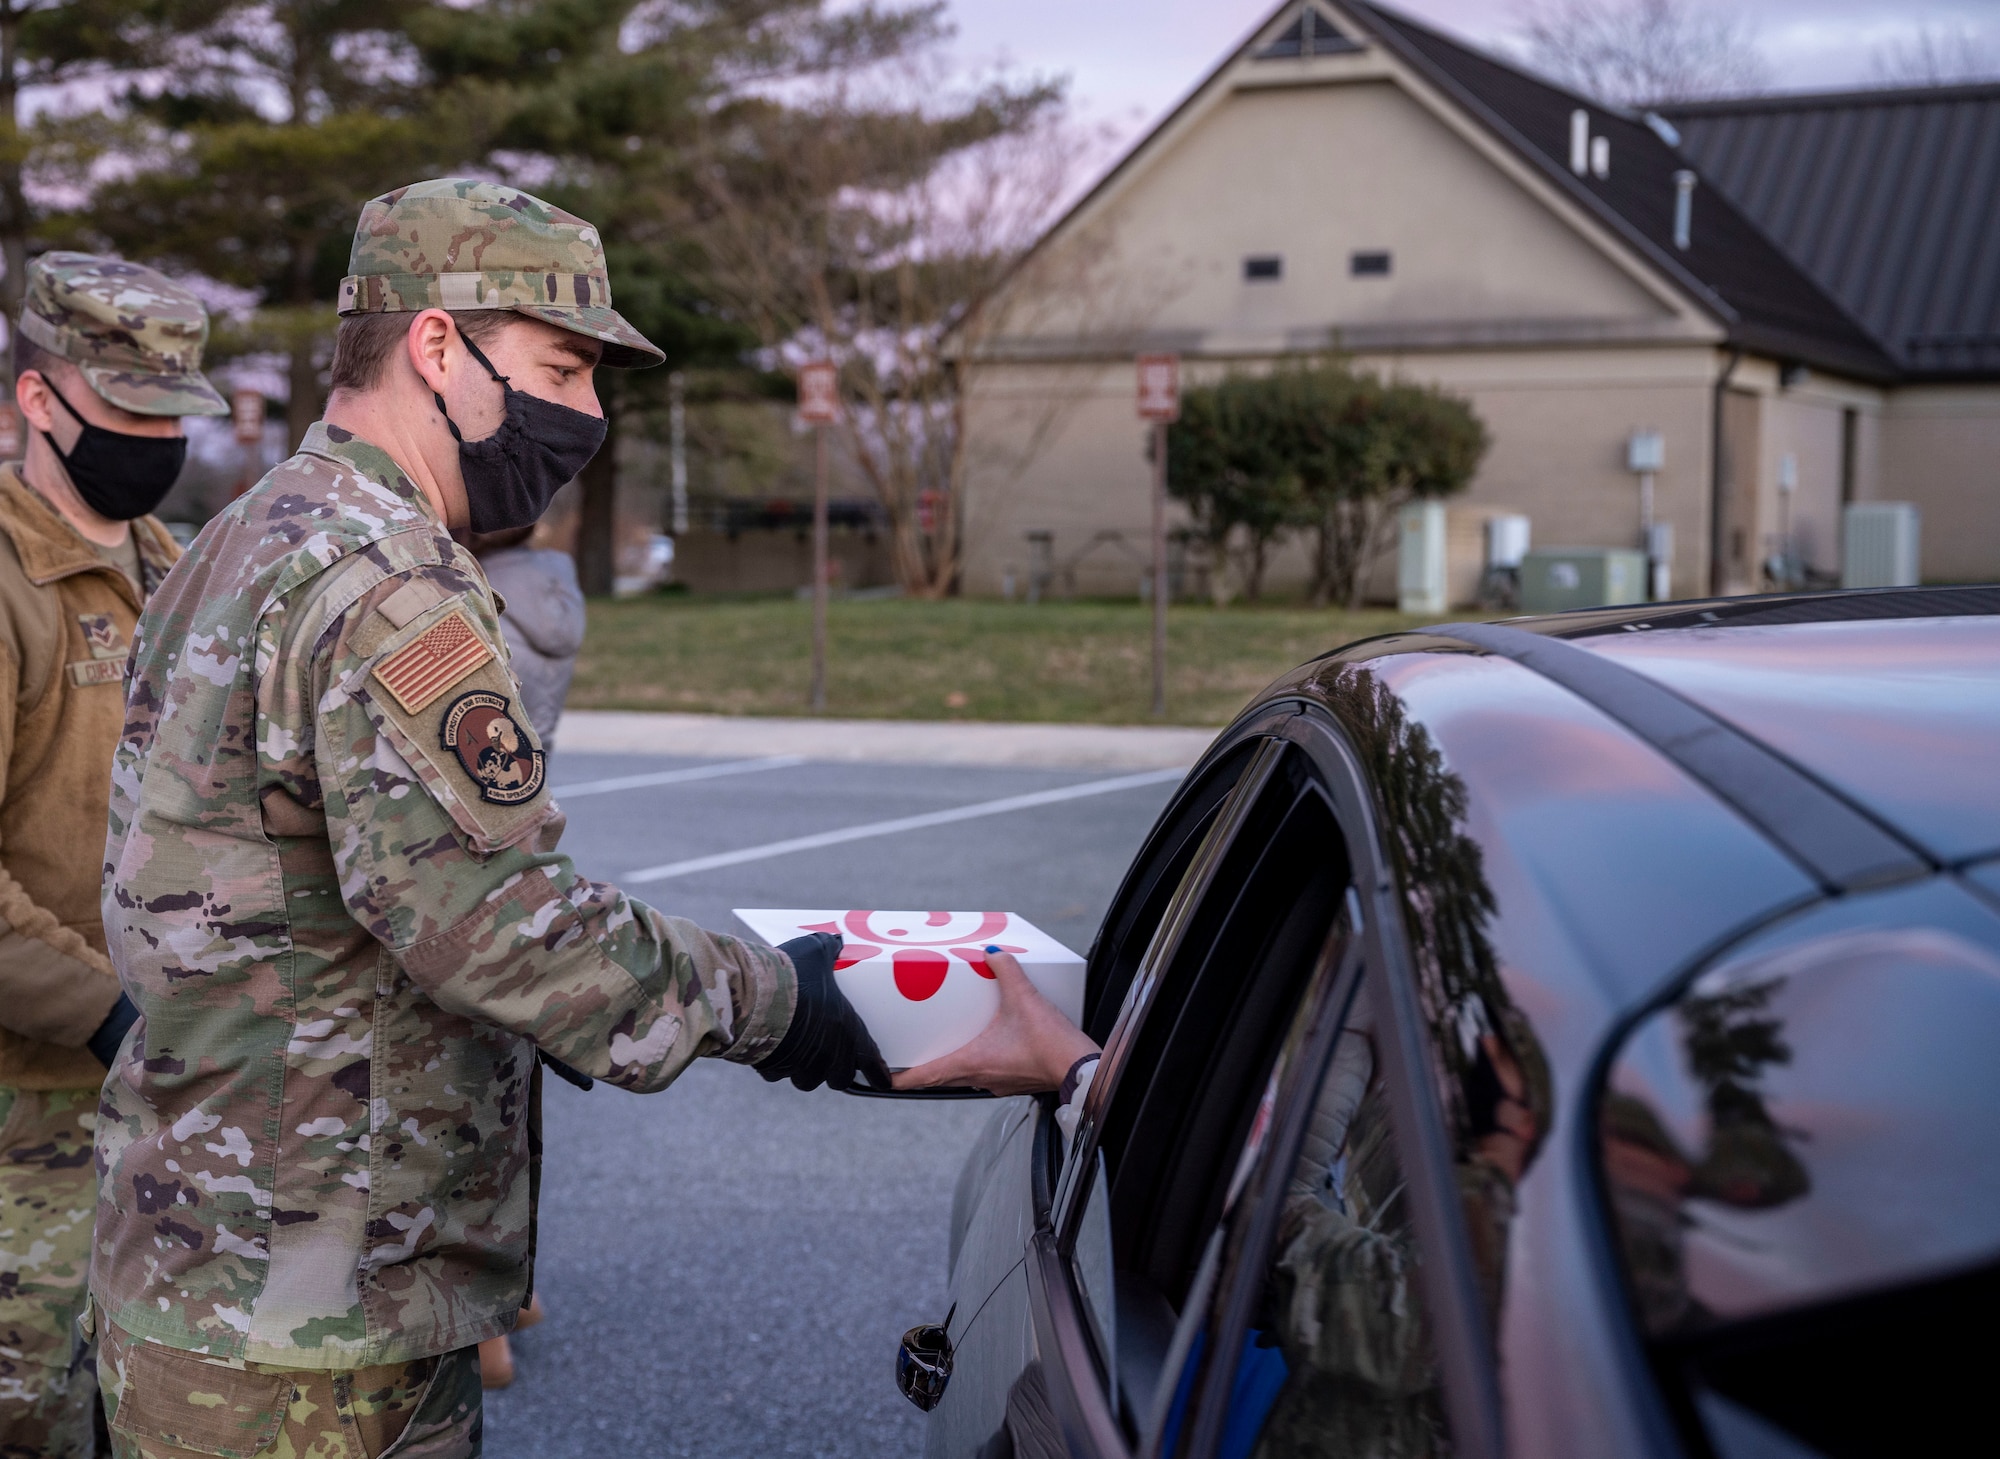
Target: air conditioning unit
1555 578
1420 560
1879 545
1507 540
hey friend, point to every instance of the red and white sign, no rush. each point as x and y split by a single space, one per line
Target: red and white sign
246 413
919 980
1160 388
930 509
819 393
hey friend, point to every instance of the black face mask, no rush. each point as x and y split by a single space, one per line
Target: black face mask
118 476
513 474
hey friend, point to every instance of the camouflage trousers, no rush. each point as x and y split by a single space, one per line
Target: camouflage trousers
48 1199
164 1403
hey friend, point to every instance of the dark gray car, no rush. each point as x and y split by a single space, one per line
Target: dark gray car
1573 1036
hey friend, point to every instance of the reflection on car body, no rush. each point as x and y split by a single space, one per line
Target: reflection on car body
1505 1051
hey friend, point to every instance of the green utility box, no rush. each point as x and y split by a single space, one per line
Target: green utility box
1554 578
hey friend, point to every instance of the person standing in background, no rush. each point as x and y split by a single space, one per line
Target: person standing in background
107 359
543 621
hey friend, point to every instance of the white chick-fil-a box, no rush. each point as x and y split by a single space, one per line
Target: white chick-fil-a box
919 980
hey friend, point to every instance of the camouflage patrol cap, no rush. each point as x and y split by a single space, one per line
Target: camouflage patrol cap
136 335
453 243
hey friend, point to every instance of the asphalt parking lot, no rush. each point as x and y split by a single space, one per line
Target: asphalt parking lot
727 1266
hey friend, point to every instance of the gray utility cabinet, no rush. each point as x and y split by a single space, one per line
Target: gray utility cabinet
1554 578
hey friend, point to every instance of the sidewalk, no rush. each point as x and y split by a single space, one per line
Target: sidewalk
885 741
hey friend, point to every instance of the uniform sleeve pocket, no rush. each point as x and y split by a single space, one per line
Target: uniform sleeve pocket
177 1400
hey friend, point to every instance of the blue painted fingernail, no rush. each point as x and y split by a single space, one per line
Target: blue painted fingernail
993 947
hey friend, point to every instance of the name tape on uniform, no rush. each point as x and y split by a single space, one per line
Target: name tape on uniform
431 663
97 671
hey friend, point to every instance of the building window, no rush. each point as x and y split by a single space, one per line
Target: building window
1363 265
1312 34
1263 268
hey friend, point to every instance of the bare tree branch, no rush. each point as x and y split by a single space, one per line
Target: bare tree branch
1644 52
874 229
1936 56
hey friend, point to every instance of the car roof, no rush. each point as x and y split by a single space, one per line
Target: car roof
1900 716
1888 698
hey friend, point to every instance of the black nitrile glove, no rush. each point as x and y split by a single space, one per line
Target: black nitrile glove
563 1071
103 1044
827 1042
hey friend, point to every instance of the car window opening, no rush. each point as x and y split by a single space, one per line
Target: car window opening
1196 1092
1150 886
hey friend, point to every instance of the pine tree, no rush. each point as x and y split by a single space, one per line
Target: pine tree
49 44
276 121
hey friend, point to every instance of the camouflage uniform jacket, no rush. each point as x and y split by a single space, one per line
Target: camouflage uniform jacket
348 936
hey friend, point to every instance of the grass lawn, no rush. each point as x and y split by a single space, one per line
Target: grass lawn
902 659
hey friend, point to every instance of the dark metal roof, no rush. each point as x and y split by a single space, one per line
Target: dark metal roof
1766 300
1890 199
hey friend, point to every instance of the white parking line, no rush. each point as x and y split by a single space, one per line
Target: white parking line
676 777
902 823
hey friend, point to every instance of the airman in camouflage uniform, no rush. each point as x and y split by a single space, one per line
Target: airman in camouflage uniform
113 348
334 893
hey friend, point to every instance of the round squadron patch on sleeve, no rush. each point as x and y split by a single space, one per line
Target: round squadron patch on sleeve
496 752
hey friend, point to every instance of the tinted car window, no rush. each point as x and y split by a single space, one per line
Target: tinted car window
1341 1361
1802 1156
1342 1357
1490 1071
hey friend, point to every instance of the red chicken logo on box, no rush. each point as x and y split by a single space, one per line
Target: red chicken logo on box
919 979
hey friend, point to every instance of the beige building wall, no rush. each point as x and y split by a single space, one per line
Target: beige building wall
1807 422
1559 421
1087 484
1314 176
1941 449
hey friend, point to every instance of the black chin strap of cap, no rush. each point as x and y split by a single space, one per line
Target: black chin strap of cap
505 381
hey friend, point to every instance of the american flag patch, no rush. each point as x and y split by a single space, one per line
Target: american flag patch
427 666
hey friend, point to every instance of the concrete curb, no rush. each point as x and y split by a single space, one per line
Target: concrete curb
885 741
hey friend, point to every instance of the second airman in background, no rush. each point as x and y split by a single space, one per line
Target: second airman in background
107 359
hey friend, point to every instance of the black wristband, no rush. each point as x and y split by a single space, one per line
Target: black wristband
104 1044
1067 1090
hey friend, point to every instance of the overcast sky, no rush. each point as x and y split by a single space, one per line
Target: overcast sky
1129 60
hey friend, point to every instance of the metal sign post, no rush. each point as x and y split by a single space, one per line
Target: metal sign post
246 416
1160 404
819 407
677 461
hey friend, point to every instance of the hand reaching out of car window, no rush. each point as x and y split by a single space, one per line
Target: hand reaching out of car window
1027 1048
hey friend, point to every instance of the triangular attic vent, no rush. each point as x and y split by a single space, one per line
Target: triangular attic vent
1312 34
